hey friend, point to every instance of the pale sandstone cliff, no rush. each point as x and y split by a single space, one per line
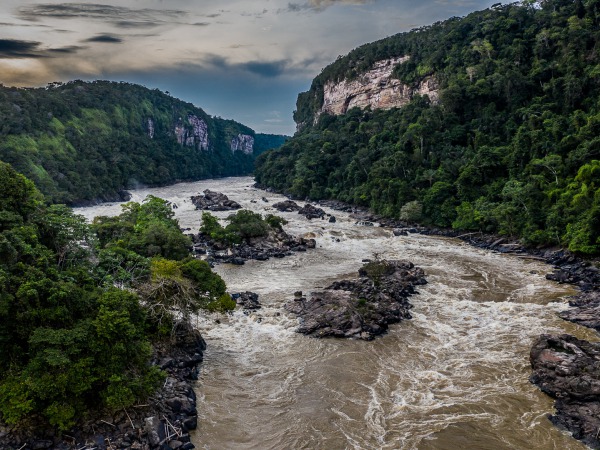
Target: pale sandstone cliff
197 136
243 143
376 89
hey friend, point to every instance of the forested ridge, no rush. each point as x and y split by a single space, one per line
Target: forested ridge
83 141
512 146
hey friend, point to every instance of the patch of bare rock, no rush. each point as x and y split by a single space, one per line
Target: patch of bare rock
214 201
361 308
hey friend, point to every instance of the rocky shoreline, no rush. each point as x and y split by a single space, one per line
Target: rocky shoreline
361 308
163 422
565 368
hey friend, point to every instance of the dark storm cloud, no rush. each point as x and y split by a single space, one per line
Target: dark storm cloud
119 16
12 48
261 69
265 69
105 39
66 50
16 49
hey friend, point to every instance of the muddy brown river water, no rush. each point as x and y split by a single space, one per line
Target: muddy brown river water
453 377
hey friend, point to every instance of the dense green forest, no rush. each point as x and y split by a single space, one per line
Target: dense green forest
88 141
81 306
512 146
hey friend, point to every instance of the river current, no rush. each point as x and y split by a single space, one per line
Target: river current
453 377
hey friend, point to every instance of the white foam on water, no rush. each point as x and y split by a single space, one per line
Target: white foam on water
455 376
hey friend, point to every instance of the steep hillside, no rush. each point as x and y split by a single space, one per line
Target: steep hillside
489 122
88 141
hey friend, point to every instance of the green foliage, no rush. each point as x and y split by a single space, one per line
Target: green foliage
242 225
84 141
508 148
223 304
72 340
182 288
148 229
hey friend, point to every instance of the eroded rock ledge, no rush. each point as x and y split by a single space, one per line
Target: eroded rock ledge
361 308
568 369
277 244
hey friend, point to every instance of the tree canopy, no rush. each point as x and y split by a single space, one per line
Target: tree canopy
511 147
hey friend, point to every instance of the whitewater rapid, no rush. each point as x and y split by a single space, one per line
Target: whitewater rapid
455 376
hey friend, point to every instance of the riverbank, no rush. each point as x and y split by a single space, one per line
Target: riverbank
564 367
163 421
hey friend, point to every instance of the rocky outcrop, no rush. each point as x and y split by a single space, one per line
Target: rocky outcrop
375 89
277 244
214 201
248 301
150 128
287 206
585 310
163 422
361 308
243 143
568 369
192 134
311 212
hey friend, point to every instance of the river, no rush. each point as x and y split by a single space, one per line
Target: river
453 377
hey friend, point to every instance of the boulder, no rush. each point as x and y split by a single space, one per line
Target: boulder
311 212
567 369
361 308
214 201
286 206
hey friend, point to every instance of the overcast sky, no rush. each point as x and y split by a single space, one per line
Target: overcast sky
242 60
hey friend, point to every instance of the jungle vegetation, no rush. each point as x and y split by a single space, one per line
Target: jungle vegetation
512 146
82 305
87 141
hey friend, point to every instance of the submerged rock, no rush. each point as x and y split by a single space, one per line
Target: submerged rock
214 201
568 369
361 308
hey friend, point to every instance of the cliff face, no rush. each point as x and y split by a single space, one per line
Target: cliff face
376 89
243 143
194 133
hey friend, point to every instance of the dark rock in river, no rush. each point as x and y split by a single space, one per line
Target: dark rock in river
287 206
214 201
247 300
277 244
312 212
585 310
568 369
361 308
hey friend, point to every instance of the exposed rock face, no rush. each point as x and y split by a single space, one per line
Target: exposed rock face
286 206
277 244
214 201
311 212
568 369
150 128
361 308
243 143
195 134
247 300
376 89
585 310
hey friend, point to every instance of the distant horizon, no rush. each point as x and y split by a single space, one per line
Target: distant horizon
245 61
